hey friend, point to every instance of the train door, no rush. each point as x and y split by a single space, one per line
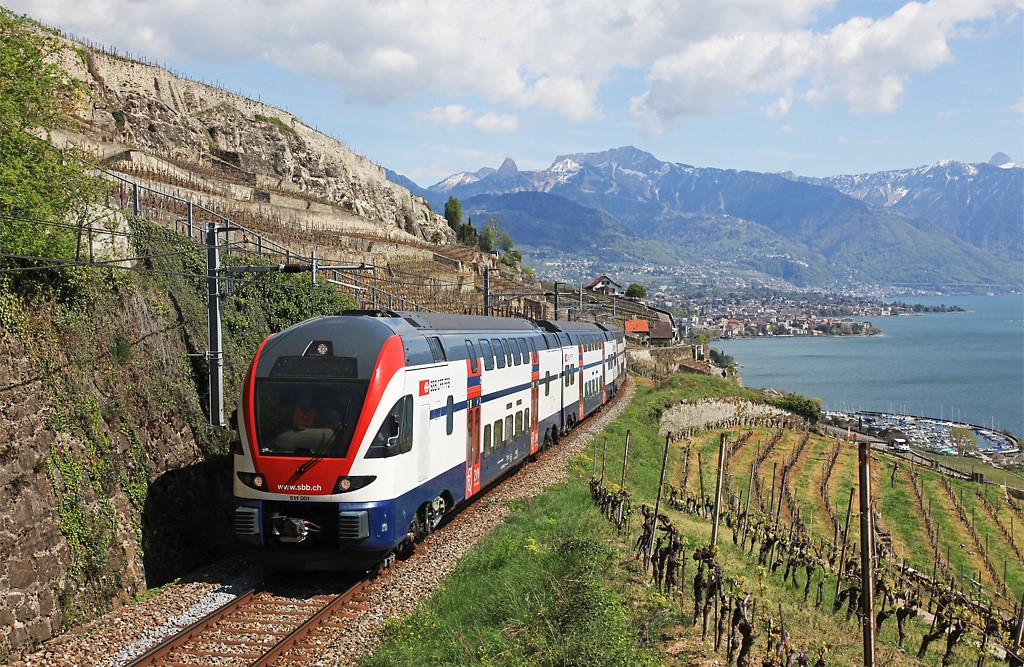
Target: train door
534 400
423 439
473 392
582 384
604 372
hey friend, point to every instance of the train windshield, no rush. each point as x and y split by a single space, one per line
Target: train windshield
307 418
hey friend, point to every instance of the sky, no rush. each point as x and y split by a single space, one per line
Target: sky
429 88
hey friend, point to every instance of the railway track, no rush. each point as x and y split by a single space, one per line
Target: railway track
259 628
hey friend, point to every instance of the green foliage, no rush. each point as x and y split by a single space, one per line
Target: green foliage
636 291
453 213
809 408
721 359
38 182
467 233
486 240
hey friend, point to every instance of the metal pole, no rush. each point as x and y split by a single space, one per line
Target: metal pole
556 301
867 561
846 539
746 510
625 458
718 490
657 502
215 356
487 291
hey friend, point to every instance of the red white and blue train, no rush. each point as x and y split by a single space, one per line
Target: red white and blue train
360 432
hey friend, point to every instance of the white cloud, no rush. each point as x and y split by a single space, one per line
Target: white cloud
949 113
454 115
698 58
492 122
448 117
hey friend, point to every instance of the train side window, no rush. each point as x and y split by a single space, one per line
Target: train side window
519 423
517 354
395 435
436 349
450 415
565 377
525 351
499 352
485 350
509 433
487 440
498 440
471 351
526 418
547 383
510 353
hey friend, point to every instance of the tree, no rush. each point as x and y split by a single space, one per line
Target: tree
453 213
486 241
636 291
964 441
38 182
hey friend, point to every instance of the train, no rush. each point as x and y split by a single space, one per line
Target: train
360 433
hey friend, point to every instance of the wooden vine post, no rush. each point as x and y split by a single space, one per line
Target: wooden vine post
867 565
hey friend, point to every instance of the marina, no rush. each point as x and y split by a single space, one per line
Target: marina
928 433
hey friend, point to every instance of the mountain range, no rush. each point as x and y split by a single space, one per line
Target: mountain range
950 225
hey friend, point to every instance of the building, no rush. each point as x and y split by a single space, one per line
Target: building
605 285
638 331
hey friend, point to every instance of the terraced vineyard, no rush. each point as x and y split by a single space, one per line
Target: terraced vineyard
966 531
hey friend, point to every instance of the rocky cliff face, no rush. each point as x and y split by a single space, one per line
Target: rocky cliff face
144 107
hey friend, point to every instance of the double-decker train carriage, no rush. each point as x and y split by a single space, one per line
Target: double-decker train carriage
360 432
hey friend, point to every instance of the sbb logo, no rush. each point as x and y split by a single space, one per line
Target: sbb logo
424 387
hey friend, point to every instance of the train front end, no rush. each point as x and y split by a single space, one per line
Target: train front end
316 399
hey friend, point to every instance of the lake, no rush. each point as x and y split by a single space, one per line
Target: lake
965 366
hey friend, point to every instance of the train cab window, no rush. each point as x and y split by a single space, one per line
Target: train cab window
485 350
303 418
509 433
498 439
474 366
394 436
449 425
487 441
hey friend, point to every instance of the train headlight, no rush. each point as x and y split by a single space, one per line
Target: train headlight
346 484
253 480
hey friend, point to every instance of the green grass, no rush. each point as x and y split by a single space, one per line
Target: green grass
968 465
541 589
